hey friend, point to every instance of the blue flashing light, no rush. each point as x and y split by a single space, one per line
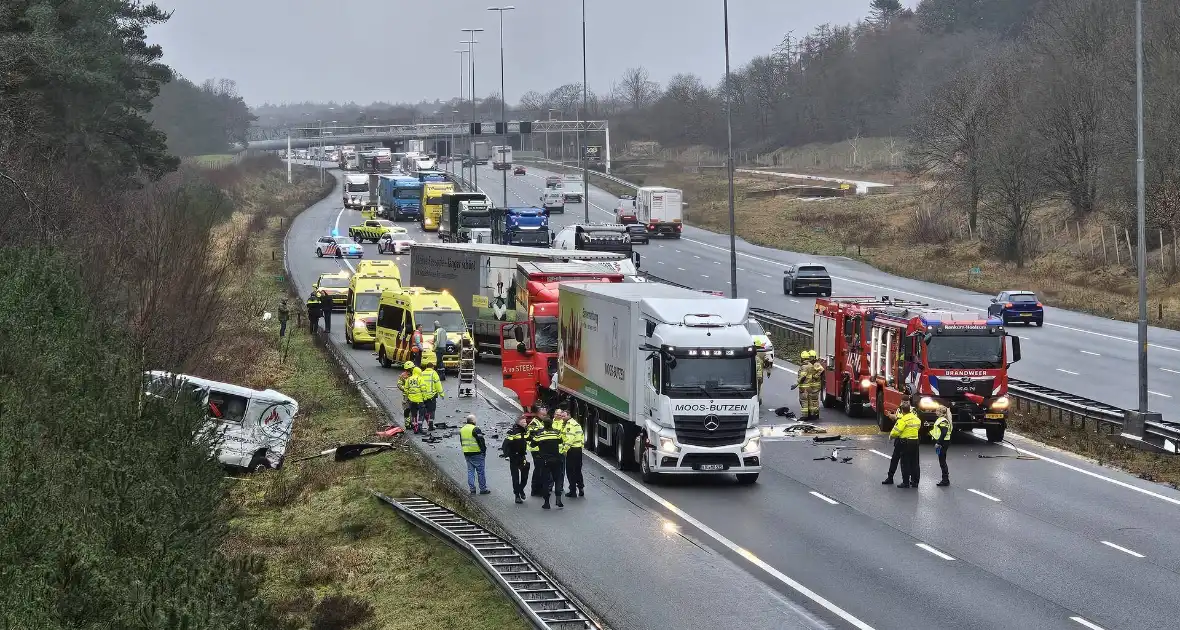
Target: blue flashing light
335 232
995 321
932 322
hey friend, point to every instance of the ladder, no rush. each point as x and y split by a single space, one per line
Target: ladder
466 371
537 596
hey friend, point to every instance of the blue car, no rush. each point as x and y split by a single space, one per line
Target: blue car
1017 306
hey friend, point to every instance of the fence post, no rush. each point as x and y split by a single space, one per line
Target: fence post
1162 253
1105 258
1118 256
1130 250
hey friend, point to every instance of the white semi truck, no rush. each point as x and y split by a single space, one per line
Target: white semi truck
663 377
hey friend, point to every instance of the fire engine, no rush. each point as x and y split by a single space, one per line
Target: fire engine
877 352
527 373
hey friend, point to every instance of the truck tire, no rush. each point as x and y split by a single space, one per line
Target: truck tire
829 401
645 471
882 419
747 479
624 448
851 409
996 434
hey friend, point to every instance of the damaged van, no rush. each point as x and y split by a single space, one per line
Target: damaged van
254 426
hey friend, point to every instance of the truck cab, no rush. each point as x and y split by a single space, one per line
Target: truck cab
594 237
432 203
527 227
356 191
466 218
401 197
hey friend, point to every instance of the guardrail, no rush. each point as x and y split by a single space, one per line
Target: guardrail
1028 396
538 597
594 173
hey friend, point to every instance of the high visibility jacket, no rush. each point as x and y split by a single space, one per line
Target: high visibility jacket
313 301
815 372
416 339
531 430
429 384
401 385
941 431
573 435
414 386
547 441
467 439
514 442
758 368
907 426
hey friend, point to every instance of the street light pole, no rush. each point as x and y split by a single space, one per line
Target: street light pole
1140 185
582 123
503 95
474 114
733 286
551 110
462 83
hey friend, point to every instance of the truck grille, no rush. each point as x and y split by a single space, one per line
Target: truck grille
955 388
371 327
730 460
691 430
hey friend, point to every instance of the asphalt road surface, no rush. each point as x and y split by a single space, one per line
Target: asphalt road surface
1074 352
1046 541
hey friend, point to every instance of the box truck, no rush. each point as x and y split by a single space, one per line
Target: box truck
662 377
660 210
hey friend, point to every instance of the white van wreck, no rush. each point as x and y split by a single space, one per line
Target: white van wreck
254 426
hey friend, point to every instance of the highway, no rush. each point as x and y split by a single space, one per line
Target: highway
1074 352
1046 542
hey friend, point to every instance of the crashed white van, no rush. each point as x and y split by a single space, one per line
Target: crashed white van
254 426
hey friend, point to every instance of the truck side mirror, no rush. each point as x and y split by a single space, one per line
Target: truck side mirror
635 259
518 334
521 348
1015 349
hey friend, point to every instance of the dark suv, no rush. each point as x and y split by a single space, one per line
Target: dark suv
807 278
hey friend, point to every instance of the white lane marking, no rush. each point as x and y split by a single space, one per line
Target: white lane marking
1090 625
873 450
1156 495
740 269
824 498
931 298
934 551
709 531
984 495
1067 371
1085 352
1172 371
1123 549
660 262
695 256
760 290
678 251
785 369
1159 394
704 276
716 262
336 230
680 268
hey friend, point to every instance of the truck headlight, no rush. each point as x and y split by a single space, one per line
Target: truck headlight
1001 403
668 445
927 403
753 445
865 383
358 325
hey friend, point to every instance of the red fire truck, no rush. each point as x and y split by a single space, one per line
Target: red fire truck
880 351
527 367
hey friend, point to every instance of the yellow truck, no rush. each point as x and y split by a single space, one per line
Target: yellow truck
370 230
432 203
364 296
400 310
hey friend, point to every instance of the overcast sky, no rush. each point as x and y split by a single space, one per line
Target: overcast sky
401 50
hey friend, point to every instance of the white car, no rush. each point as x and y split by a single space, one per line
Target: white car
759 334
395 243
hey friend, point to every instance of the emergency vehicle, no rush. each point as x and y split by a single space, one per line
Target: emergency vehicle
529 372
372 229
333 286
378 267
878 352
400 310
364 296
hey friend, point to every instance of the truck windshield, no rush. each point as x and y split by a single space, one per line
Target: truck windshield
965 351
546 335
476 221
709 378
408 193
451 320
366 302
364 187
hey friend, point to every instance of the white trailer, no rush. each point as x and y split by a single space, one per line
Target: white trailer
660 210
501 158
662 377
356 190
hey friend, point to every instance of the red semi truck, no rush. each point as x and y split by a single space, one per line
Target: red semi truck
528 373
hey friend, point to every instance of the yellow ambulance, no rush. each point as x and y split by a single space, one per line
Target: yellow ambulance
364 296
400 310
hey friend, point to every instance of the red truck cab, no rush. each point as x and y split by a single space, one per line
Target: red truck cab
528 347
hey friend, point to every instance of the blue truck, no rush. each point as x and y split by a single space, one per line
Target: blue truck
527 227
401 197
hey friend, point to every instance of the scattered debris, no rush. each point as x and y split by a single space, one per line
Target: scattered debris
345 452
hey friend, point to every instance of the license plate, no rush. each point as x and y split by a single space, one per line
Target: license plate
994 416
1026 314
712 466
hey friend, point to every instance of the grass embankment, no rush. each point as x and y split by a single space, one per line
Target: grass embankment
216 160
334 553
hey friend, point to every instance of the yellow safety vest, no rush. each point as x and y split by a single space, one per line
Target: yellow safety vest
940 424
414 387
573 435
467 439
430 384
907 427
534 426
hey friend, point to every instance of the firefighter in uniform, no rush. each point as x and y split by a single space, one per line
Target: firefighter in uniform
534 426
574 439
515 449
808 384
431 388
548 441
759 367
407 369
414 393
907 429
941 434
313 312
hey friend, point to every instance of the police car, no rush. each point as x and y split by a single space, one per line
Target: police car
395 242
338 246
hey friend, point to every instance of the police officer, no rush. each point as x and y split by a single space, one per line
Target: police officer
414 393
431 388
574 440
407 370
907 427
472 441
548 441
534 426
313 312
515 448
941 434
326 306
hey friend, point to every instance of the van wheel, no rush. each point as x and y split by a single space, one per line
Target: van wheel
382 359
259 463
747 479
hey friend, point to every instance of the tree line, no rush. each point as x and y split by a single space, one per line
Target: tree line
111 504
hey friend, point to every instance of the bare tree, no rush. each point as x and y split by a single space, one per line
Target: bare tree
636 88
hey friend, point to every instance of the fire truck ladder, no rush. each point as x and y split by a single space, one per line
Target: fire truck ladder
538 597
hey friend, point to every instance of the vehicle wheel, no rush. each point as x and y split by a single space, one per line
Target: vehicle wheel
786 289
851 409
882 419
645 471
622 451
1039 324
829 401
794 291
747 479
995 434
259 463
382 359
319 253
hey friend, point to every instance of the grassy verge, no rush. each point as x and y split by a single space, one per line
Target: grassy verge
214 160
335 557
